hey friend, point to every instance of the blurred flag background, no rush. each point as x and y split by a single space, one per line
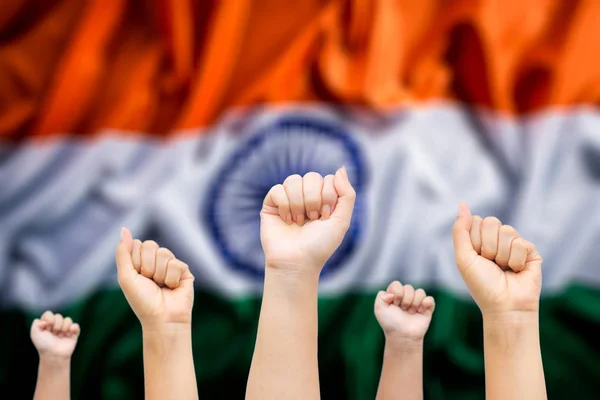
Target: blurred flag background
174 118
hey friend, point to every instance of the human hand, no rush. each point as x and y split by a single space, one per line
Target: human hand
404 313
502 271
304 220
54 336
158 286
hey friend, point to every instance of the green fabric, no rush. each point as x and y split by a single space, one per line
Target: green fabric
107 363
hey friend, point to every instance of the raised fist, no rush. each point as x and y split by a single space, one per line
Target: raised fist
403 312
304 220
502 271
54 336
158 286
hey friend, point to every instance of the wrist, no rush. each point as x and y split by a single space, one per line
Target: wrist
511 318
166 329
403 344
54 362
511 330
293 276
164 341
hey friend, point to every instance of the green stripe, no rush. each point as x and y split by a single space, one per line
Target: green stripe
107 363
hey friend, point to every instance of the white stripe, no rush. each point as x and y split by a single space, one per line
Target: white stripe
62 203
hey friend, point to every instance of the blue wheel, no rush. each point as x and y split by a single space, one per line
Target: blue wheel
292 145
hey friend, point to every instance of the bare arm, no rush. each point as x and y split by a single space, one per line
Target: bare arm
402 372
504 275
54 379
513 361
285 364
55 338
404 315
299 232
160 290
168 363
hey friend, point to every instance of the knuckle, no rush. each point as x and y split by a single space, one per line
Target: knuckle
150 244
163 251
178 265
491 221
532 247
351 193
313 175
278 188
291 179
507 229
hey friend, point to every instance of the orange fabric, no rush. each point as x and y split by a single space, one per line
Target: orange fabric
75 67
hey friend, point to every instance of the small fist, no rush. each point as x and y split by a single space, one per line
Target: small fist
502 271
158 286
403 312
304 220
54 336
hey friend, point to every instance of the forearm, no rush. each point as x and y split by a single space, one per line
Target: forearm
402 371
513 361
169 363
285 364
53 382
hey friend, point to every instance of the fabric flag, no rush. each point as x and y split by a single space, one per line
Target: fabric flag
175 120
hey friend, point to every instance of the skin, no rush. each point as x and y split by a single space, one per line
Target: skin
303 221
160 291
404 315
55 339
504 275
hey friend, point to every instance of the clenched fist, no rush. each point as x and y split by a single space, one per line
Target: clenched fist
54 336
502 271
158 286
403 312
304 220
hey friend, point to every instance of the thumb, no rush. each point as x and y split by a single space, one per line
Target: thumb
38 325
386 297
346 196
123 255
533 261
187 279
464 253
383 299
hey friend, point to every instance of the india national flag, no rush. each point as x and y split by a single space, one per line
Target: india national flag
174 118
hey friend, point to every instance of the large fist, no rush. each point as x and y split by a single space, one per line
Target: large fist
158 286
304 220
403 312
54 336
502 271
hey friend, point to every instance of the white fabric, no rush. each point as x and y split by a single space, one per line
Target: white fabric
62 203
